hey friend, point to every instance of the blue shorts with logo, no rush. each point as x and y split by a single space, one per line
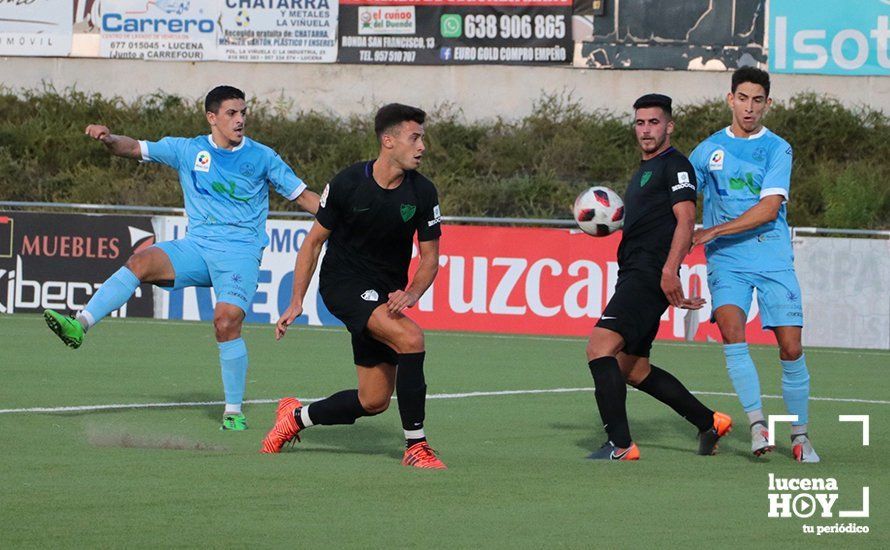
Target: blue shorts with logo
778 294
232 274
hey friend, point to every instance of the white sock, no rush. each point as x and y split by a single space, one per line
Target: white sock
85 319
414 434
755 416
304 417
233 409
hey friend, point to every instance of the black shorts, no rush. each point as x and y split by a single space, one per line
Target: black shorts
353 301
635 310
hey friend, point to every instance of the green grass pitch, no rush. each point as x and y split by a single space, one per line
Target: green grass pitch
517 477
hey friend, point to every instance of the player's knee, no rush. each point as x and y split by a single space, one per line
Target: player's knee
789 351
375 404
138 265
596 349
411 341
227 326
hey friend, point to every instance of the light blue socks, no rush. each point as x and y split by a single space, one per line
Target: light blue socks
233 362
796 389
743 374
113 294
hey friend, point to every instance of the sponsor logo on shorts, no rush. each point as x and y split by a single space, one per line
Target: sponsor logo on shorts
370 296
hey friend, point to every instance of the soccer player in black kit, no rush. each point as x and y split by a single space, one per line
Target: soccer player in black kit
369 214
659 218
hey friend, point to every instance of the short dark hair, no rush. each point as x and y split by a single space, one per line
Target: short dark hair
752 75
219 94
395 114
655 100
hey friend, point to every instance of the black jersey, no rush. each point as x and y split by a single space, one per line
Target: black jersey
649 221
372 228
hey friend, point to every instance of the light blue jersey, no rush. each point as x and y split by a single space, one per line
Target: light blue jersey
733 174
226 192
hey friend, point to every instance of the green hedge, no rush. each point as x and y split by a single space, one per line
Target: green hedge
532 167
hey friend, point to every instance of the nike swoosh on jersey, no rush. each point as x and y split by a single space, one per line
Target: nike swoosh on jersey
607 318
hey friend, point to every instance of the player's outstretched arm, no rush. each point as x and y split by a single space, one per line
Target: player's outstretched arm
766 210
671 285
308 201
423 278
304 267
121 146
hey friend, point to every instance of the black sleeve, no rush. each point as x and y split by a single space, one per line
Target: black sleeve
429 221
330 203
680 178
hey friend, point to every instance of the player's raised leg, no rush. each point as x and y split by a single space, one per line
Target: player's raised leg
148 266
796 390
406 337
743 374
611 395
665 387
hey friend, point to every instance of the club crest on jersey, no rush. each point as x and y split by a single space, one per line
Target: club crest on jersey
370 296
407 211
716 161
202 162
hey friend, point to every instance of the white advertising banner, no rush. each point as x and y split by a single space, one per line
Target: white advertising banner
159 30
35 27
284 31
276 279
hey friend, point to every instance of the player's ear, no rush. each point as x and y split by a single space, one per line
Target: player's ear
211 118
729 99
670 127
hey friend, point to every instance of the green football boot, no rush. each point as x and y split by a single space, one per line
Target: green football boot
236 422
68 329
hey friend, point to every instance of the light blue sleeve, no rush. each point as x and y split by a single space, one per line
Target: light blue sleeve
167 151
699 166
283 178
777 179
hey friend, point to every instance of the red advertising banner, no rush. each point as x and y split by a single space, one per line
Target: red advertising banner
546 281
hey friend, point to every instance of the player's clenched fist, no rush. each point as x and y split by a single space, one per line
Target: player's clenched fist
97 131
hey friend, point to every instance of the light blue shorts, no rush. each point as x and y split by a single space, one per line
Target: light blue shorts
778 294
232 274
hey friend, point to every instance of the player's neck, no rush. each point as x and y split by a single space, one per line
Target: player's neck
222 143
661 150
739 132
387 174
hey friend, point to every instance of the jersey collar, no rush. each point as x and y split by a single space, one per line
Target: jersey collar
662 154
759 134
215 146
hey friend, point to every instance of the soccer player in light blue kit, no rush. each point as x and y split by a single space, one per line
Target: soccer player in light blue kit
744 175
225 180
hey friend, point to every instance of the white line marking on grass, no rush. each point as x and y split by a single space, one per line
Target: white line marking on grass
118 406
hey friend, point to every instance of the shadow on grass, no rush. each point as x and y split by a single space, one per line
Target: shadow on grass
365 439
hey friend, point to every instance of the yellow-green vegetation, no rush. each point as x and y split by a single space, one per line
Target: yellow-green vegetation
531 167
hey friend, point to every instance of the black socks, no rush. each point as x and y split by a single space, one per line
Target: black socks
611 394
